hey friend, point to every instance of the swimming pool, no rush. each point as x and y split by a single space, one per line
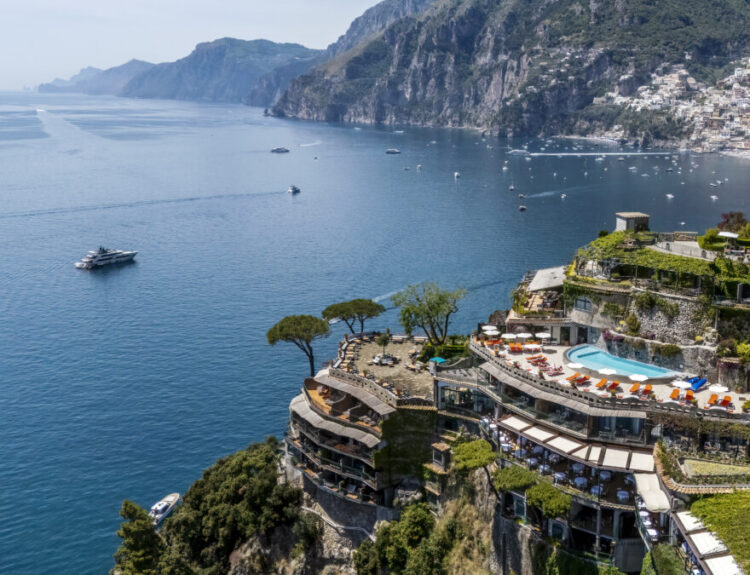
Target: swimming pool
594 358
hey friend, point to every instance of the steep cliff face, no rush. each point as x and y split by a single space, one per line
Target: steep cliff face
375 20
95 81
225 70
521 65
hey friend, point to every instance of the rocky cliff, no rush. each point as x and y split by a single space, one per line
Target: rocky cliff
374 20
225 70
530 66
95 81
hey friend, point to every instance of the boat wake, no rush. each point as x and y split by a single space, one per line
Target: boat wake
311 144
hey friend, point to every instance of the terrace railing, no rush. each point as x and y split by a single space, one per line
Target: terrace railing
592 401
378 390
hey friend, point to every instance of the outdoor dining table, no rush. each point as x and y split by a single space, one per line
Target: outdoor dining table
554 458
506 447
533 462
630 479
622 495
581 482
544 468
596 490
578 467
605 475
538 450
558 476
520 453
643 513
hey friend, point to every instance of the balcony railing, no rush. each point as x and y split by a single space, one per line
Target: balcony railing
350 421
335 466
362 454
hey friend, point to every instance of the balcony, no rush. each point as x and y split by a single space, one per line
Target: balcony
333 466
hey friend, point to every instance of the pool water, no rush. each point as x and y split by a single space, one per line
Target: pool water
594 358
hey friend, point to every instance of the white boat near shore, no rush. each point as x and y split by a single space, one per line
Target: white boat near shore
161 509
104 257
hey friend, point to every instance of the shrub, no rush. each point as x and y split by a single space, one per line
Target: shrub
743 352
613 310
552 501
603 233
666 560
669 350
473 455
632 324
513 478
727 348
746 406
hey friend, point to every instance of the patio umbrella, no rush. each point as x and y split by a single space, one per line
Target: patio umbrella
716 388
489 328
491 332
575 365
523 335
638 377
543 335
680 384
608 371
532 346
438 360
508 336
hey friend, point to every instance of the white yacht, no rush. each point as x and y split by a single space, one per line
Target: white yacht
161 509
293 189
104 257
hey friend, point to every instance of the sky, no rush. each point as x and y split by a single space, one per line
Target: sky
45 39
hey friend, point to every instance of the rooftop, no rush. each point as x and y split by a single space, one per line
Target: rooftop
628 215
548 278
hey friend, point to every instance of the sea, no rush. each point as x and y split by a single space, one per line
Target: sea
128 382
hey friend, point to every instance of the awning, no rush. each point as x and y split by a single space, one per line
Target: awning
516 423
565 445
689 521
538 434
642 462
706 543
302 409
361 394
725 565
616 458
650 491
547 278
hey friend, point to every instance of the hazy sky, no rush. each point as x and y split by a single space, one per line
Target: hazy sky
44 39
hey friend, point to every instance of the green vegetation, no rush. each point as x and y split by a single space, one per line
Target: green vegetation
667 349
408 434
552 501
301 330
513 478
354 310
727 515
632 324
743 352
560 562
237 498
446 351
382 340
472 455
429 308
614 310
141 546
662 560
647 301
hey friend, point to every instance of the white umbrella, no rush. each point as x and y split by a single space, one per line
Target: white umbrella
523 335
608 371
508 336
492 332
638 377
489 328
680 384
532 346
718 388
575 365
543 335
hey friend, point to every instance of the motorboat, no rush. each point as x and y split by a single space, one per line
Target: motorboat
293 189
393 151
563 196
511 187
670 196
522 208
280 150
456 175
521 195
161 509
714 198
104 257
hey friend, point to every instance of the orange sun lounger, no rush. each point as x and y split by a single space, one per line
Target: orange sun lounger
602 383
726 401
648 389
689 395
675 394
635 388
572 377
713 399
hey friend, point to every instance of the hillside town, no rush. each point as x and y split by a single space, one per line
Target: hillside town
717 117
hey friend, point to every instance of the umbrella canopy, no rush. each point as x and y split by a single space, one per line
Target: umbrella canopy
575 365
532 346
491 332
543 335
718 388
608 371
680 384
438 360
638 377
489 328
523 335
508 336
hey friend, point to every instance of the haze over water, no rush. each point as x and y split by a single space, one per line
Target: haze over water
128 382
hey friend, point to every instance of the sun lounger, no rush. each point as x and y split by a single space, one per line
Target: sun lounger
698 384
675 394
613 386
572 377
713 399
726 401
635 388
689 395
648 389
602 383
692 379
582 380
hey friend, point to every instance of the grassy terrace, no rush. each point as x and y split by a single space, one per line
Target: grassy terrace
727 516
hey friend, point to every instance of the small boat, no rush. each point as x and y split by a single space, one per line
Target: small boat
521 196
456 175
280 150
511 187
712 185
393 151
162 508
505 168
293 189
522 208
670 196
104 257
714 198
563 196
419 167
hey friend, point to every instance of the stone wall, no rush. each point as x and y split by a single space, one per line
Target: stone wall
694 359
681 329
734 374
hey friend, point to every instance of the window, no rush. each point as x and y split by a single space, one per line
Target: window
583 304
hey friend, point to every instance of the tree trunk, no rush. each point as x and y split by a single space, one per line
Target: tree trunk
361 325
311 358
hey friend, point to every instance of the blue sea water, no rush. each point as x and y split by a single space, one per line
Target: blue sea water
128 382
